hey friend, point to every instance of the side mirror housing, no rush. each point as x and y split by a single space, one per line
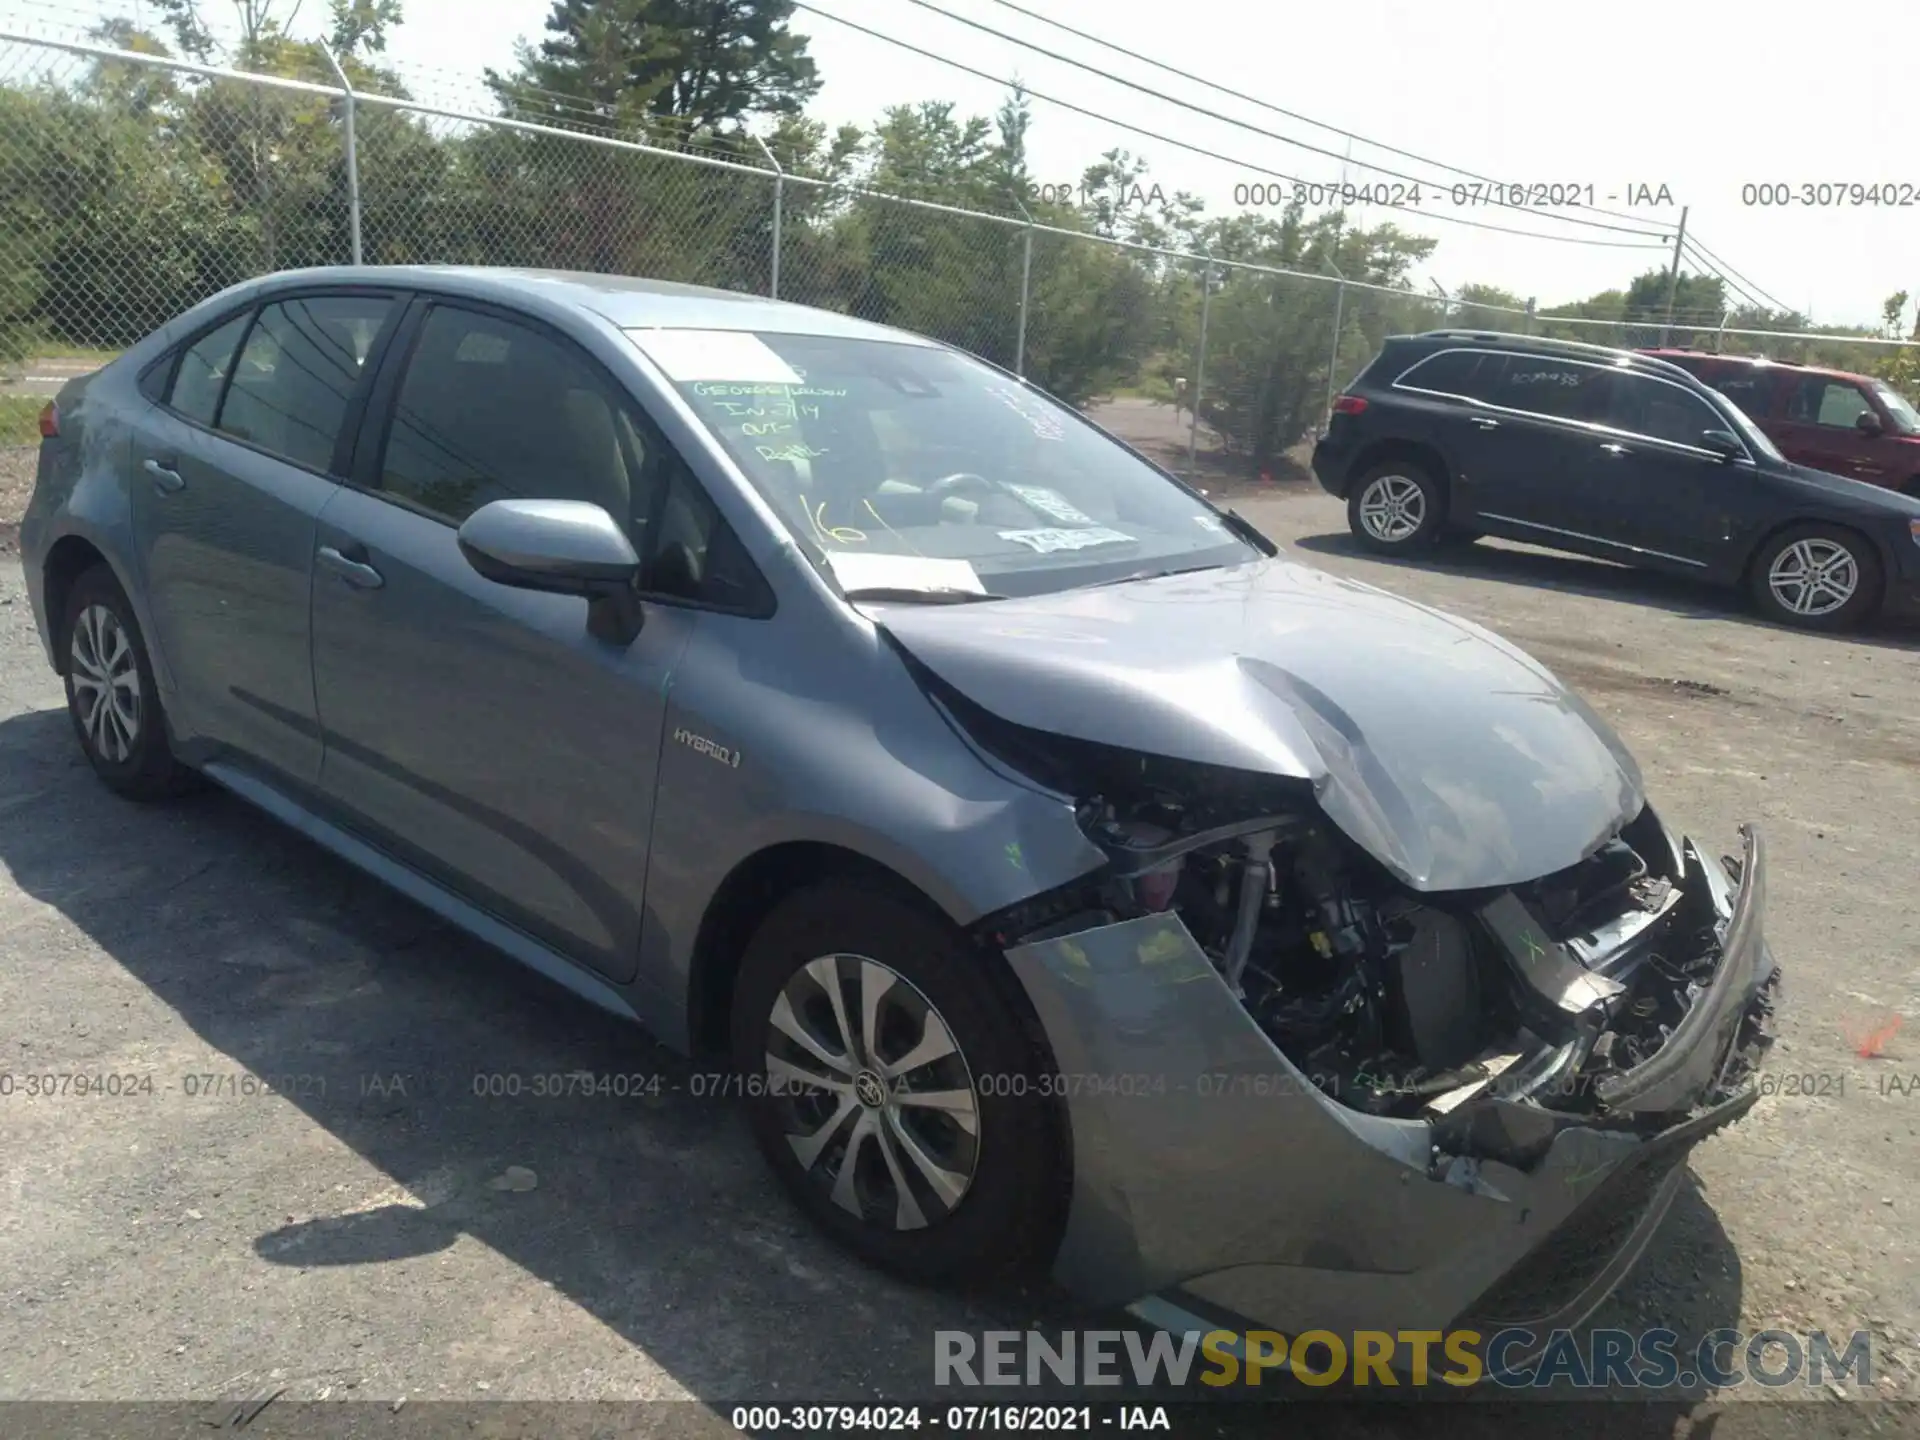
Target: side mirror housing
561 547
1723 443
1867 423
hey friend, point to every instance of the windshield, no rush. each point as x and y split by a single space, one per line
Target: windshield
1900 408
909 469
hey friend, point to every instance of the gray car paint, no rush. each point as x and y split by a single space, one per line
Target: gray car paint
1453 758
480 750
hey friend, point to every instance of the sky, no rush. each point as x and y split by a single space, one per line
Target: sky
1699 99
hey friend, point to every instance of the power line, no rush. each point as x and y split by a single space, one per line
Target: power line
1709 256
1263 104
1248 125
1199 149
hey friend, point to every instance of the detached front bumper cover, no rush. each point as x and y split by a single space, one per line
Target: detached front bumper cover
1213 1171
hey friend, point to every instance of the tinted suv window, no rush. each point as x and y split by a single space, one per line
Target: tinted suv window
1546 385
1837 404
1748 387
1664 412
1453 372
203 370
297 371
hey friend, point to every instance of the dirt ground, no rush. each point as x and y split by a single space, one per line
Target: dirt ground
378 1230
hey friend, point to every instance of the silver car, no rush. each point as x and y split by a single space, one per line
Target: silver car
1076 883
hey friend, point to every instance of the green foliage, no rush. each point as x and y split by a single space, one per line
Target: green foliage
138 191
20 419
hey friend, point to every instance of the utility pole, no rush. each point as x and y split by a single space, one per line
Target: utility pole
1673 279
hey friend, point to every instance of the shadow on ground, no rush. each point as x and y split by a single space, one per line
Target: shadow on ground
652 1213
1577 575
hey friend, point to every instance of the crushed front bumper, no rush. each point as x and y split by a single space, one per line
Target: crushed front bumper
1211 1175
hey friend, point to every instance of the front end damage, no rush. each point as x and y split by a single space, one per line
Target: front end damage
1303 1094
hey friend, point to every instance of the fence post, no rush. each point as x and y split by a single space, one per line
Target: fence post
1200 365
779 190
1526 323
1026 281
1333 358
353 154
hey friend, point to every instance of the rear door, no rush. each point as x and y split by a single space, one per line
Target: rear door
1819 426
230 472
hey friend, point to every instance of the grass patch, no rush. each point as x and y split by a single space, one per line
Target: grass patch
60 350
20 419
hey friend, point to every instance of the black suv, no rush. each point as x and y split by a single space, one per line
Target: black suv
1610 453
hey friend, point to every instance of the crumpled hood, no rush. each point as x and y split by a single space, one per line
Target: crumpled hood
1446 753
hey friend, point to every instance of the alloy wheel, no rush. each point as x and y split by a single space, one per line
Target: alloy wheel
106 683
1393 508
878 1102
1814 577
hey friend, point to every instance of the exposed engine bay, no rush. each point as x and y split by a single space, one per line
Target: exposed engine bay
1395 1003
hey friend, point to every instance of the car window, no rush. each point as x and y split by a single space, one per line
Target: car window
1661 411
490 409
297 371
494 410
1750 389
1837 404
1547 385
1452 372
203 370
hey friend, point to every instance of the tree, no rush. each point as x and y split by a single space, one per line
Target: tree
704 64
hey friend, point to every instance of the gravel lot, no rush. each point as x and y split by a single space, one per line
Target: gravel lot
405 1238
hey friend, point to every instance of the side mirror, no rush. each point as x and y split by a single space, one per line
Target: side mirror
1867 423
562 547
1723 443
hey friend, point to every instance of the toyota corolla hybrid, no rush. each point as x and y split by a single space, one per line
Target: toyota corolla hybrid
1079 884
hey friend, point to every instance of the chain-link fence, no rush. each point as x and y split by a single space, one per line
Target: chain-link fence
133 186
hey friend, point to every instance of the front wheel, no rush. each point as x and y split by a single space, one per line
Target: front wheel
1817 577
895 1090
1396 508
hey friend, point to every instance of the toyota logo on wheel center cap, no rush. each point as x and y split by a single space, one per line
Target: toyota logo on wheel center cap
869 1089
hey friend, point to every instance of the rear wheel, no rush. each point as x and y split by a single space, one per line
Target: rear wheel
1817 577
894 1088
111 695
1396 508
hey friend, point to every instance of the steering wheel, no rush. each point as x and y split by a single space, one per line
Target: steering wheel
960 480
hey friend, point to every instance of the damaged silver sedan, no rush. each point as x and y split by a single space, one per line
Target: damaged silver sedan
1076 884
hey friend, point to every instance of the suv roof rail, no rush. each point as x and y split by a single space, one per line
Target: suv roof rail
1545 342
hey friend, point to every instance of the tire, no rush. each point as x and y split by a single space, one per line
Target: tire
996 1218
1849 593
111 695
1397 508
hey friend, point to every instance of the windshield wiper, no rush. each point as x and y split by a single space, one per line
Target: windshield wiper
908 596
1153 575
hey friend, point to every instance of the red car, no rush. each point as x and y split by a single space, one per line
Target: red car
1849 425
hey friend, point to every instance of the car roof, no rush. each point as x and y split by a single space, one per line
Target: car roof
627 301
1680 356
1548 345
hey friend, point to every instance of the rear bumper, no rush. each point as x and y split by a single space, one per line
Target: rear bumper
1211 1178
1331 461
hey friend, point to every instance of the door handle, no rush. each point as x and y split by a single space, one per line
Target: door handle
165 479
356 573
1486 422
1615 449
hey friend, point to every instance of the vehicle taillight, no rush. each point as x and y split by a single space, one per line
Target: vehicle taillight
49 420
1349 405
